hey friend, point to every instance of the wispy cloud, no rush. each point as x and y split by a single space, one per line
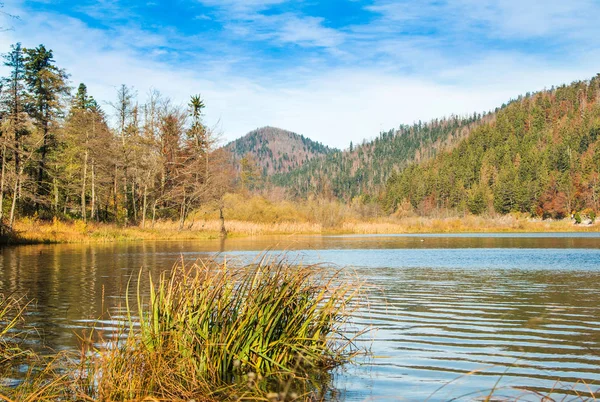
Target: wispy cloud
241 7
287 29
491 19
254 20
534 19
276 62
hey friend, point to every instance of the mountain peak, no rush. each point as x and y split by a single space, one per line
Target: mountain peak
276 150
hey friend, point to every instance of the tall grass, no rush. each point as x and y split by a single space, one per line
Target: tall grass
11 315
40 381
209 330
30 230
12 332
255 215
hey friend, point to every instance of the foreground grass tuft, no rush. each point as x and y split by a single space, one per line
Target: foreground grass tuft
212 332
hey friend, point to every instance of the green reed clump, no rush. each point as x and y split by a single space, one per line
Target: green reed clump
209 330
11 316
39 382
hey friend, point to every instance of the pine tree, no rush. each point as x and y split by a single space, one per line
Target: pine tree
14 125
47 84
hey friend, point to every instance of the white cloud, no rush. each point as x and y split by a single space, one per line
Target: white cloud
287 29
334 105
350 105
518 19
308 30
531 18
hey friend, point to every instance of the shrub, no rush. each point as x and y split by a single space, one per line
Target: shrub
589 214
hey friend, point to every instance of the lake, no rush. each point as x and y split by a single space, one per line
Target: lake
452 316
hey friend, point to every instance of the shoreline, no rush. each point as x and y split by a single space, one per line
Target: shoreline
29 231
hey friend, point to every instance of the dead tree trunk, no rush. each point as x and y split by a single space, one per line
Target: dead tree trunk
83 183
93 201
223 233
2 183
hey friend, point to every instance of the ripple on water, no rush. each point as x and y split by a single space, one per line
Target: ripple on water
455 316
466 337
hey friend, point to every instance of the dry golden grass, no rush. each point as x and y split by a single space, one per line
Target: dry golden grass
30 231
34 231
255 216
467 224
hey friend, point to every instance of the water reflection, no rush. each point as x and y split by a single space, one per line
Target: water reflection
524 309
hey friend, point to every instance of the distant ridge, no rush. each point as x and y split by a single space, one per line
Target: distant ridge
364 169
275 150
538 154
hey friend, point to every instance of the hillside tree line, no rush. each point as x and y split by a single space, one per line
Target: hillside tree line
362 170
539 156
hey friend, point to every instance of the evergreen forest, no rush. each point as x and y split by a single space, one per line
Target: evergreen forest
539 155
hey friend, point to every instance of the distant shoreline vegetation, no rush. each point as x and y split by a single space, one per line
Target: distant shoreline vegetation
256 216
540 155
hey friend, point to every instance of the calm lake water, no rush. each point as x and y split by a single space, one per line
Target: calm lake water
452 316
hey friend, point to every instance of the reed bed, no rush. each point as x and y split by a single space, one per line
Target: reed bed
11 321
246 228
247 215
209 331
31 231
465 224
39 381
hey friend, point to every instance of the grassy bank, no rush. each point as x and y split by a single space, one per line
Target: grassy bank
31 231
37 231
255 215
206 332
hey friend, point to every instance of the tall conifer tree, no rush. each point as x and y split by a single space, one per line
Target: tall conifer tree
14 126
47 85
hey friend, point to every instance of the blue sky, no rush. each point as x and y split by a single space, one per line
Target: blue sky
336 71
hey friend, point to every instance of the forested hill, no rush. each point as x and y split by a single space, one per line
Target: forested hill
364 169
540 155
274 150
